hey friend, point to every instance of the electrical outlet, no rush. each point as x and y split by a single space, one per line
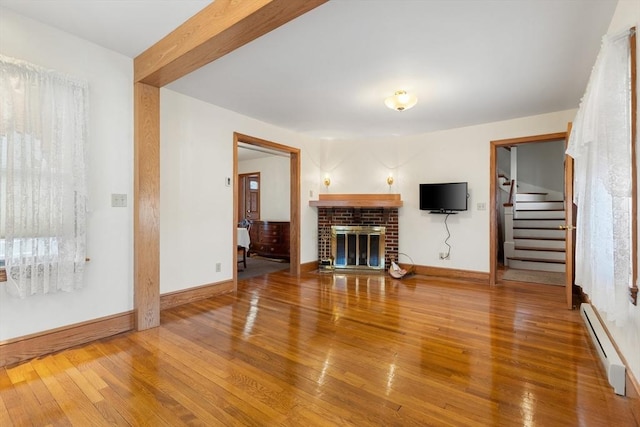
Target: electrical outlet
218 267
482 206
118 200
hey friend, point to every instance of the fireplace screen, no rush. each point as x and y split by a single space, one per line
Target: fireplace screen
360 247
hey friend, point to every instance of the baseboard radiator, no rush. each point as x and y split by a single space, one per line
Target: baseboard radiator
609 357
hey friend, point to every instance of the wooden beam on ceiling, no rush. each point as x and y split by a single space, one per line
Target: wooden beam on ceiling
216 30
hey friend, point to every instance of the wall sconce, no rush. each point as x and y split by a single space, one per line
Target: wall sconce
390 180
326 181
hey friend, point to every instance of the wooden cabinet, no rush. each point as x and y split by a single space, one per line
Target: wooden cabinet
270 238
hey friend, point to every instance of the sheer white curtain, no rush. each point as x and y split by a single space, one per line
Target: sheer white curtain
600 143
43 132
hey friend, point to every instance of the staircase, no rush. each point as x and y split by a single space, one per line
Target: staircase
533 237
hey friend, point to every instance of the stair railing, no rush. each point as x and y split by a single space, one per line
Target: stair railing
509 208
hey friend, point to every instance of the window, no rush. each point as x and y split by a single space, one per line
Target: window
600 144
42 178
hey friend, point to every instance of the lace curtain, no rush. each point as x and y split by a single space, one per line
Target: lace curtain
600 143
43 132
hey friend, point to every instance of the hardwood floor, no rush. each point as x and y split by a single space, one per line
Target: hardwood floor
333 350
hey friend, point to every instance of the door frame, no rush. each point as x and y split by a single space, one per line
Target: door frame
493 189
294 196
571 211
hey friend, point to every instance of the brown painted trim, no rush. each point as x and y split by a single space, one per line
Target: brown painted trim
185 296
294 205
216 30
452 273
633 291
30 346
146 208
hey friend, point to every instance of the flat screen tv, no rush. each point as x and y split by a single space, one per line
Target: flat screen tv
444 197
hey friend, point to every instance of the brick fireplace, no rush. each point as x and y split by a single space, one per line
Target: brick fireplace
358 217
368 221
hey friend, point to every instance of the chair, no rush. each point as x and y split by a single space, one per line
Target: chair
242 256
242 251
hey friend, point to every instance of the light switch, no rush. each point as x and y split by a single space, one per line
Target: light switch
118 200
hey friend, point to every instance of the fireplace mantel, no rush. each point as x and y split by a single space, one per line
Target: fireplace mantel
357 201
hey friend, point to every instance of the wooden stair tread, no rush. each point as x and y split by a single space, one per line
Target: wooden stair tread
540 201
551 261
533 248
538 238
533 193
539 210
537 219
537 228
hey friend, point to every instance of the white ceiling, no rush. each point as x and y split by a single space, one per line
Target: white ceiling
327 73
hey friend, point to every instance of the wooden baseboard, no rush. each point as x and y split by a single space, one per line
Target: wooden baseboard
174 299
632 387
31 346
28 347
308 267
450 273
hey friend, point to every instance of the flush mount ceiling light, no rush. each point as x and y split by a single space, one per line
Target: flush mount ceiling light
401 100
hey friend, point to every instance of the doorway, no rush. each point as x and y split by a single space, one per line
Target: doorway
496 199
249 197
294 193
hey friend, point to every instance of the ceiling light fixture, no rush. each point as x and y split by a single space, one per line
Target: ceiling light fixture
401 100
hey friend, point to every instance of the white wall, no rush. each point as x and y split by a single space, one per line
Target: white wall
447 156
541 169
627 338
196 208
108 287
275 178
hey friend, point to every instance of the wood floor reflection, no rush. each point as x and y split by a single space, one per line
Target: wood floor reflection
333 350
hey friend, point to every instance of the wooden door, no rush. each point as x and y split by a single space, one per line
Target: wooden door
570 226
249 199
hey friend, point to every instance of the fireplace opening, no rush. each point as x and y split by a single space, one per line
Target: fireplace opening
358 247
